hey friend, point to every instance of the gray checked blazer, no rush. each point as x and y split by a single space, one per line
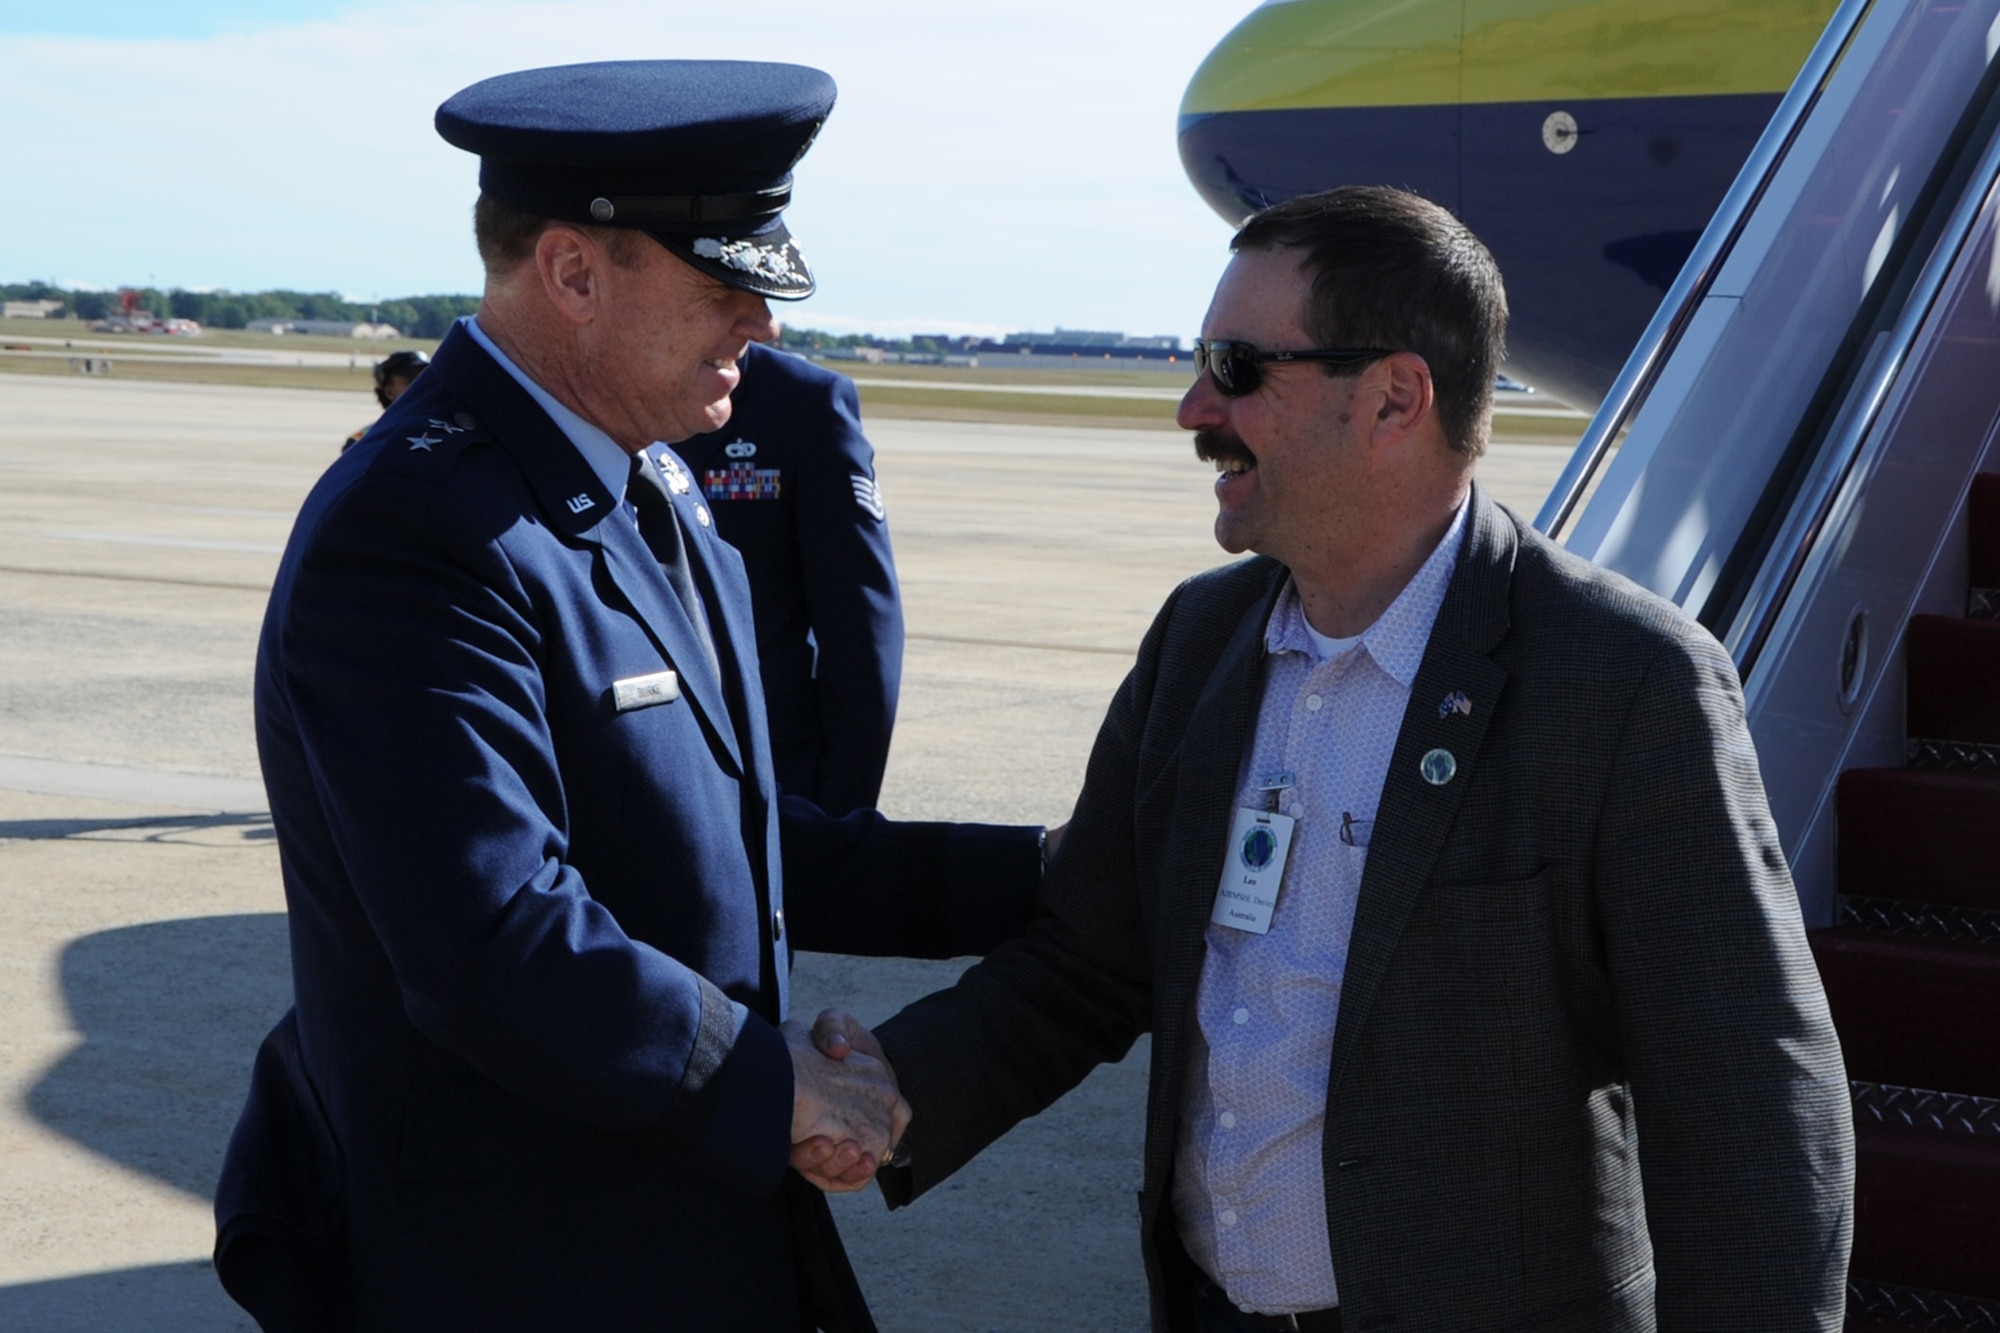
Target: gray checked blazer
1584 1076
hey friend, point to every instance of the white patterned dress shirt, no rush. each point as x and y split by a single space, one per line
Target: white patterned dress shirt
1249 1184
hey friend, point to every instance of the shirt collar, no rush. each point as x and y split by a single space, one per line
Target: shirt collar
1399 636
606 457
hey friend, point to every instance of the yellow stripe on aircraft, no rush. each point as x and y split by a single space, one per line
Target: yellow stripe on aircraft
1292 54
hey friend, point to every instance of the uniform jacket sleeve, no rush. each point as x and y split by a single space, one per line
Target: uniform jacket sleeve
868 886
408 661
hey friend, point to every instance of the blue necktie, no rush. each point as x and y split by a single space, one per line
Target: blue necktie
661 530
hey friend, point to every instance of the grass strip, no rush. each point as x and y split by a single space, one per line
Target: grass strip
336 378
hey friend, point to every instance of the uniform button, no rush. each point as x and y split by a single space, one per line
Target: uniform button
1228 1119
778 925
1241 1016
1229 1217
1298 809
1314 702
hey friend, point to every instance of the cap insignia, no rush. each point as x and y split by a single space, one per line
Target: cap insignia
762 261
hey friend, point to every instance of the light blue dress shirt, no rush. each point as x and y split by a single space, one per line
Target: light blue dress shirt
1249 1183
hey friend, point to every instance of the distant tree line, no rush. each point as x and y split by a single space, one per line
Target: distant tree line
817 340
416 316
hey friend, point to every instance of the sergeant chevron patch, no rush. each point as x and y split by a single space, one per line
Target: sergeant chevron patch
868 495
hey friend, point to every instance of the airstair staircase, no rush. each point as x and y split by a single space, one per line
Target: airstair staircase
1803 453
1912 972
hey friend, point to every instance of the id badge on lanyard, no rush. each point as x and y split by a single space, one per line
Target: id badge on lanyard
1246 899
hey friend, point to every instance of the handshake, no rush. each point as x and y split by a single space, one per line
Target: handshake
847 1115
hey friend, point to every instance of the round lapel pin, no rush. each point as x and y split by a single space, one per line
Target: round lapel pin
1438 767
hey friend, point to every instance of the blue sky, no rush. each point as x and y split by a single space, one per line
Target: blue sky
988 167
132 20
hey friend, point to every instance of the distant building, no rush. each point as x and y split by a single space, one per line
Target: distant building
331 328
1092 339
145 321
1079 345
31 310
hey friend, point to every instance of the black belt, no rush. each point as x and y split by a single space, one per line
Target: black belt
1306 1321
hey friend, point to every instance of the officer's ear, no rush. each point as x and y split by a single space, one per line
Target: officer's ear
569 265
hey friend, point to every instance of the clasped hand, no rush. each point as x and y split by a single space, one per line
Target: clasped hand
847 1115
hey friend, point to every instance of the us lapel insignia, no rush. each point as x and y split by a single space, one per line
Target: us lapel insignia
1438 767
1455 702
677 480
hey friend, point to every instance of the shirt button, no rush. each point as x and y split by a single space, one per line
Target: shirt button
1298 809
1228 1119
1229 1217
1241 1016
1314 702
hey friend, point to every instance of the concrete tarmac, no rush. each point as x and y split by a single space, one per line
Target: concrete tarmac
142 944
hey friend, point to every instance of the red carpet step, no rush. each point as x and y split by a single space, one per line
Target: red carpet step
1924 1204
1983 517
1914 1012
1926 837
1880 1307
1954 682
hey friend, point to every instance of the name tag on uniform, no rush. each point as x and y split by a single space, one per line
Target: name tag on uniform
661 687
1247 897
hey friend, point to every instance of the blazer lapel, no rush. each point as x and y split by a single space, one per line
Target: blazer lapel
1416 813
574 502
1211 751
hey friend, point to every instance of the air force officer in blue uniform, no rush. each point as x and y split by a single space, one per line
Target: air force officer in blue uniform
791 483
508 709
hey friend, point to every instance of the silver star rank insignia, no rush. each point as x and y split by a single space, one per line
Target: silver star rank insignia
423 442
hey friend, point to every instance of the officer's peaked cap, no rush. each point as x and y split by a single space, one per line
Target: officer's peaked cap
697 154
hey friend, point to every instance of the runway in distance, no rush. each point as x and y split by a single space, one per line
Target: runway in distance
1586 142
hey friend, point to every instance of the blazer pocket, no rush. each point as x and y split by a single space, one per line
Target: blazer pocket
1494 904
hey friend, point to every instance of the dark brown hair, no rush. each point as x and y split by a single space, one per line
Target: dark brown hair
506 236
1392 269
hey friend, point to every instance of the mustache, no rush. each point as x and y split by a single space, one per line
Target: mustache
1221 446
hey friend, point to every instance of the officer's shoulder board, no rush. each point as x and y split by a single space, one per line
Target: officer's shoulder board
427 444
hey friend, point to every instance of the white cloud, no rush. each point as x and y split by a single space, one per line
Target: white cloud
990 167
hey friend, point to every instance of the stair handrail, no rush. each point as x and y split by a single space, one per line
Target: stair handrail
1677 309
1859 411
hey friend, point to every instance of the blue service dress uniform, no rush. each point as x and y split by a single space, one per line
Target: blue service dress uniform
540 927
791 484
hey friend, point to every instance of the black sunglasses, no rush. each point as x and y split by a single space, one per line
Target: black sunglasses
1237 367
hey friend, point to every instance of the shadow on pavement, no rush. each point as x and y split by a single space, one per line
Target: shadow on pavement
161 1296
170 1014
256 827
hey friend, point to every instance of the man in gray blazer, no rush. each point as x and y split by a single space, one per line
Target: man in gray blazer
1437 864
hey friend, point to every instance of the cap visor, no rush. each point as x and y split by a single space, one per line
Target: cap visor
767 263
